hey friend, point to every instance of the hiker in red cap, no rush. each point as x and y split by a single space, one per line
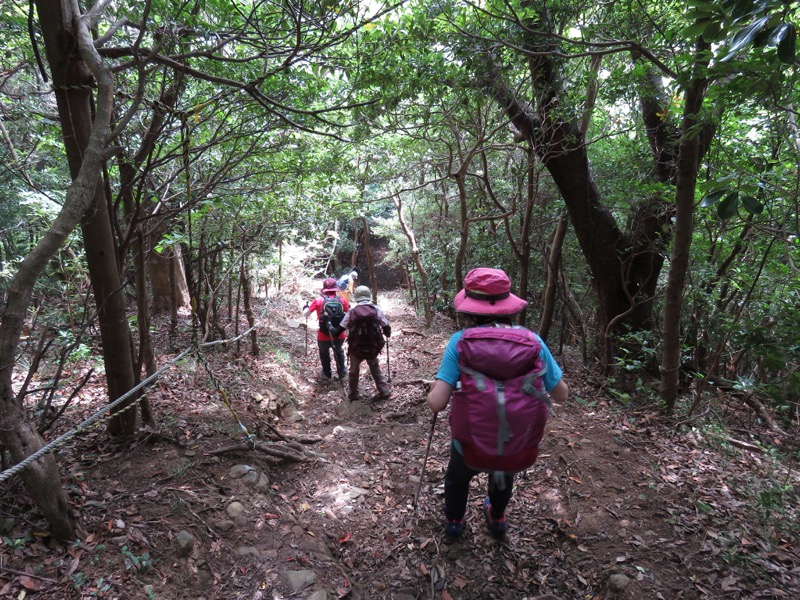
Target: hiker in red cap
499 376
330 309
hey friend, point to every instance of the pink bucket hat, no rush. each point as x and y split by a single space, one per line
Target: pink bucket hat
487 292
329 285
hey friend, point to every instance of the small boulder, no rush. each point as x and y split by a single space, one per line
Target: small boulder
297 581
235 510
184 543
617 583
223 525
239 471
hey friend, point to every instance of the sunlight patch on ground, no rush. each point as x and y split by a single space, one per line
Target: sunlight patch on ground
340 497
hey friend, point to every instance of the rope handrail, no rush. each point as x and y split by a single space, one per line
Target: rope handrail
83 425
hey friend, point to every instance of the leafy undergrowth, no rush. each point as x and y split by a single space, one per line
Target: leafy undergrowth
620 504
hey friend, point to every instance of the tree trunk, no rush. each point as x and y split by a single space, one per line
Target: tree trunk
41 477
18 435
412 288
521 247
373 279
568 164
624 266
173 309
248 309
72 83
141 245
115 334
280 265
415 256
684 226
553 267
168 279
146 355
354 253
463 240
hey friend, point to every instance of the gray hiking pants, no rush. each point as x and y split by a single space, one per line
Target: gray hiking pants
374 367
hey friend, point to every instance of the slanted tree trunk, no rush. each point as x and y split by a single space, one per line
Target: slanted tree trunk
564 155
415 256
59 21
624 265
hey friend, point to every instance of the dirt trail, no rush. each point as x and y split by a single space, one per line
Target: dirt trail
616 507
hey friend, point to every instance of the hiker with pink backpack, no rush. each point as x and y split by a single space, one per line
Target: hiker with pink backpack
499 380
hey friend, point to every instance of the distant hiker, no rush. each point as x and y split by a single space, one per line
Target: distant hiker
346 283
330 309
366 325
497 374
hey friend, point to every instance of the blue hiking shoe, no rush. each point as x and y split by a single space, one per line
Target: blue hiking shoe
497 527
454 529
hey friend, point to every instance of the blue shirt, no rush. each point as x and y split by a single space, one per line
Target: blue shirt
449 372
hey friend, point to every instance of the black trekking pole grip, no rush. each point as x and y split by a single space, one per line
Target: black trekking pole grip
425 462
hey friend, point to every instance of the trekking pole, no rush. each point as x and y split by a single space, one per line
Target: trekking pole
306 335
388 372
424 462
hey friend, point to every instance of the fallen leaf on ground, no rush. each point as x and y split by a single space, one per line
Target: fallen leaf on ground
29 583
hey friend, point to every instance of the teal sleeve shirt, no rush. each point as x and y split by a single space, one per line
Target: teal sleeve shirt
449 373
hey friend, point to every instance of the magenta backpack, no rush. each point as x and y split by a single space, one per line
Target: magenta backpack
499 409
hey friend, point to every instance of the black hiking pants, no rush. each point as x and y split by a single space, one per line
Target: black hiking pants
456 488
325 347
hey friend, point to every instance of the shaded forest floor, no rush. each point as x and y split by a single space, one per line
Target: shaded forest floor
620 505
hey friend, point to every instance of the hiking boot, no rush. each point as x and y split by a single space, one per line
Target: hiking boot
326 376
497 527
454 529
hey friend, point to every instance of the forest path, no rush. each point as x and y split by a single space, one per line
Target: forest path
618 506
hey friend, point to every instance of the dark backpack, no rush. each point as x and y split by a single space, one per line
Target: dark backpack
364 332
499 409
331 315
